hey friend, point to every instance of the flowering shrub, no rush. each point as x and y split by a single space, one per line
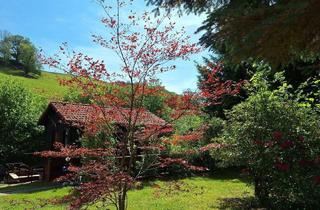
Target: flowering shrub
278 141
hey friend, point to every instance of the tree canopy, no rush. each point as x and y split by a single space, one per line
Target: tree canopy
145 47
19 51
277 31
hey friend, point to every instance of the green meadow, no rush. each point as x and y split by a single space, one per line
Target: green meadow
227 191
47 85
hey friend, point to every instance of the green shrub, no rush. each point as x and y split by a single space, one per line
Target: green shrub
19 113
191 150
278 140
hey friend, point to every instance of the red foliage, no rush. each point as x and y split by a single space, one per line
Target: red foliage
282 166
245 171
107 173
277 135
165 162
258 142
214 87
306 163
74 152
185 104
286 144
317 160
316 180
191 137
301 138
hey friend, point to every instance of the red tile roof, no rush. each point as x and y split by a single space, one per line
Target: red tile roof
80 114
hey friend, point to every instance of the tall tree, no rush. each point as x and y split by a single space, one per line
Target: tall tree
20 52
145 46
214 77
242 33
15 42
5 55
29 59
277 31
4 34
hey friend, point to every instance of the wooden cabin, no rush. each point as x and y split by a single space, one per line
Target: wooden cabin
65 122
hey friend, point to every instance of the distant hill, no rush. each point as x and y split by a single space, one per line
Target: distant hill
47 85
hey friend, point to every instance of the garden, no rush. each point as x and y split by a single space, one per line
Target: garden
195 193
246 137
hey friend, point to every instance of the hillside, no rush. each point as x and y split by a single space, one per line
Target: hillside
47 85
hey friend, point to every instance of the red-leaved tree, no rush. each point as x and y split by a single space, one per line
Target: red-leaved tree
213 88
120 145
121 139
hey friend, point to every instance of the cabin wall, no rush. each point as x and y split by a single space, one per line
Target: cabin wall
56 131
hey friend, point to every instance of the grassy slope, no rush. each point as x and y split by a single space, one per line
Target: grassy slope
199 193
46 85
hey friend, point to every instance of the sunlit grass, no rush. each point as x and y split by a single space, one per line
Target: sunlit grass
34 200
47 85
198 193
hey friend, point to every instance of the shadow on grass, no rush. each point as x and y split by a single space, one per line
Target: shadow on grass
230 174
25 188
14 71
239 203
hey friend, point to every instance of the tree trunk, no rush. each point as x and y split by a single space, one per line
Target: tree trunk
123 198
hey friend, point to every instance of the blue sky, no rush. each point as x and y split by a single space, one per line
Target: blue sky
48 23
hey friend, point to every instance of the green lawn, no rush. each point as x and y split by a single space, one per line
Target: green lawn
199 193
36 199
47 85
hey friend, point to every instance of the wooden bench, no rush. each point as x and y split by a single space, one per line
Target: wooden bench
20 172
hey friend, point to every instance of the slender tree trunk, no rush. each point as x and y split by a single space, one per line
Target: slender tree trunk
122 198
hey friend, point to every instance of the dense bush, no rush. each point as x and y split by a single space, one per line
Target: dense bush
19 113
185 138
278 140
